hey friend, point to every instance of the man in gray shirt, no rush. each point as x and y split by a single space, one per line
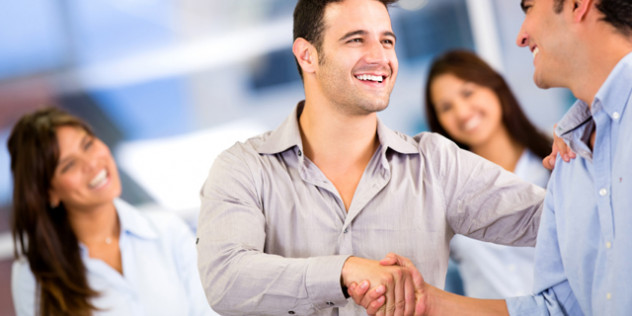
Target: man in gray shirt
291 217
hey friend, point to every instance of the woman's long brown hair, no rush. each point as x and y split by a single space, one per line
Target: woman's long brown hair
42 233
469 67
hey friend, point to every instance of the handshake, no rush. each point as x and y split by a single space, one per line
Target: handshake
392 286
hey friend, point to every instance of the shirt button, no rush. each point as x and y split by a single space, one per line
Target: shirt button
603 192
330 303
300 153
616 115
608 245
608 296
291 312
345 231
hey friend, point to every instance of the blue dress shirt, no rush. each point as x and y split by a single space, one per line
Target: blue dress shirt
584 246
159 270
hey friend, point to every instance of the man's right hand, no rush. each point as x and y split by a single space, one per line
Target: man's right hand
559 146
396 287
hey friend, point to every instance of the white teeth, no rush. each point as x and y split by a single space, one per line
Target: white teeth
536 51
99 179
472 123
370 77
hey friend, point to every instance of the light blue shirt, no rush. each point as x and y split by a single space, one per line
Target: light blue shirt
159 270
584 247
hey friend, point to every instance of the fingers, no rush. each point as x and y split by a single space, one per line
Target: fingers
549 162
409 296
389 260
389 309
374 306
356 292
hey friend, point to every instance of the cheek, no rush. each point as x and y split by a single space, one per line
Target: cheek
448 123
66 185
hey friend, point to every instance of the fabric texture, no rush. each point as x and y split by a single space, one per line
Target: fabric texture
159 270
584 246
495 271
274 233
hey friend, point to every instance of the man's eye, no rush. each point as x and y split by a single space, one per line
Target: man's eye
355 40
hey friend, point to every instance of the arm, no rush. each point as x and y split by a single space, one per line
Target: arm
239 277
554 294
484 201
429 299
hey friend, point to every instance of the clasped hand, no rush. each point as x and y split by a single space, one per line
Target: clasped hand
392 286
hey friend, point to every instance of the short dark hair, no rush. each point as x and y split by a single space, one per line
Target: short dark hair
467 66
308 22
616 12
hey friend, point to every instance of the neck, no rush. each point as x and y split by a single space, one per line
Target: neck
96 225
602 55
501 150
331 136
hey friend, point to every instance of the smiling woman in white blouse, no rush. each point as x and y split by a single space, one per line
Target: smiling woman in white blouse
79 249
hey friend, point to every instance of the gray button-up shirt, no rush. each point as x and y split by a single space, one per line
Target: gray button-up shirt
274 233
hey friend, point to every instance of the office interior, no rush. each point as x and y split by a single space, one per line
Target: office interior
170 84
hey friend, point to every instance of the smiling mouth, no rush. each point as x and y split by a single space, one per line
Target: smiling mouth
535 51
371 78
99 180
472 124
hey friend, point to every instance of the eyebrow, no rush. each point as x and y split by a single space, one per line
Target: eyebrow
361 32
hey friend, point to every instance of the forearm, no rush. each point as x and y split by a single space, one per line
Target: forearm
250 282
440 302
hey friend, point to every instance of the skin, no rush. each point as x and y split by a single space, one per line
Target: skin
89 203
472 115
339 122
577 50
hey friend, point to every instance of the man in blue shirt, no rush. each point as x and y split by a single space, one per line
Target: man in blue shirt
584 245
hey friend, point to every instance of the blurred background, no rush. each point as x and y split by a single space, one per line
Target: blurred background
169 84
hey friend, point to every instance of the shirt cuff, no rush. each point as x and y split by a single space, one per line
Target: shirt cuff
323 281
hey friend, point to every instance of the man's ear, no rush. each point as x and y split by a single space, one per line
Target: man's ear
581 9
305 54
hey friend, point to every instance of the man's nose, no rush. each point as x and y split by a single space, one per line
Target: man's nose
523 38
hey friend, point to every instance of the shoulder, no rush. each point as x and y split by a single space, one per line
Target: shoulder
430 141
439 149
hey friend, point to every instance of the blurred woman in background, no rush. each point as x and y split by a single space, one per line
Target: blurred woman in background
471 104
79 249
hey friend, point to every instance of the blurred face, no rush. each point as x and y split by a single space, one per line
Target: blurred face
471 114
546 35
86 175
357 63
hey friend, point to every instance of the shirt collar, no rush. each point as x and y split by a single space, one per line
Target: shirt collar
288 135
614 93
612 98
132 222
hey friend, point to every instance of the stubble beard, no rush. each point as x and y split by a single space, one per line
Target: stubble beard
349 101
